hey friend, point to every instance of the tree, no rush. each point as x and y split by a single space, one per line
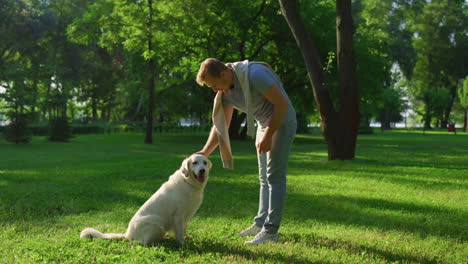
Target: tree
18 100
389 111
383 53
231 31
440 42
338 127
16 67
133 24
399 18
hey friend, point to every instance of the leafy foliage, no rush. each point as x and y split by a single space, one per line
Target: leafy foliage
463 93
440 41
88 59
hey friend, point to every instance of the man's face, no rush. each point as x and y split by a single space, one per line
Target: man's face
221 83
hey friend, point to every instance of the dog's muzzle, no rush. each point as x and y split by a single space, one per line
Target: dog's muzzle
201 175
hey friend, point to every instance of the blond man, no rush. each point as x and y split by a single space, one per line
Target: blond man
253 87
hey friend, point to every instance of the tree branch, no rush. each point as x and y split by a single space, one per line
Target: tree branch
259 49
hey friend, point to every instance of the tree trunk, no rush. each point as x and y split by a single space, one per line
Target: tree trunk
427 118
63 102
385 123
339 128
94 106
149 116
465 125
72 111
448 109
349 89
138 108
35 116
151 72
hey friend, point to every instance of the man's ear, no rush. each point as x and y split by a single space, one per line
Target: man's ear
185 168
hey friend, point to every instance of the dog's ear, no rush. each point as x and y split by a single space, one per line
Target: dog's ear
185 168
209 164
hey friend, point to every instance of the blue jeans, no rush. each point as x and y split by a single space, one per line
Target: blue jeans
272 173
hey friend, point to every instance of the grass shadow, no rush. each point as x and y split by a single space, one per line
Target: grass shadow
424 220
313 241
247 252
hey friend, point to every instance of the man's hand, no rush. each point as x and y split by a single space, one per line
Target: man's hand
280 102
264 145
200 153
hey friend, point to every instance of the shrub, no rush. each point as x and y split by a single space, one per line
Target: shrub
123 128
88 129
17 131
59 130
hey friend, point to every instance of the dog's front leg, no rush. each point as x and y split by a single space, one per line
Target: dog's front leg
179 230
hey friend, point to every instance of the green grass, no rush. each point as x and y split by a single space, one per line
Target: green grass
403 200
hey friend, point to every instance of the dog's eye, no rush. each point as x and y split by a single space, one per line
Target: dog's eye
204 163
195 162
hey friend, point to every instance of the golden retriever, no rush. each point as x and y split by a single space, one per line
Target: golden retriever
170 208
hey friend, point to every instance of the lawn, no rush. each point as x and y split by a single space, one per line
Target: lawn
403 200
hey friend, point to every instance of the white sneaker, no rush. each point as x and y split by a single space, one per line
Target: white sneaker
262 237
250 231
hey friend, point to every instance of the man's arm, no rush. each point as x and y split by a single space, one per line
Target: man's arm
280 103
212 141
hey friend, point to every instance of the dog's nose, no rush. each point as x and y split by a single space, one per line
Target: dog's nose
202 171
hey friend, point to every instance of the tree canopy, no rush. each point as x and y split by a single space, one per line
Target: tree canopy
136 61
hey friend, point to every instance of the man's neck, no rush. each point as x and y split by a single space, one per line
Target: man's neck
232 78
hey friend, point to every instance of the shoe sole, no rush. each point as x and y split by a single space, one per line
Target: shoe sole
268 241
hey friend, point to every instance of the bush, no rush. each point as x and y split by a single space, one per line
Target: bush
123 128
17 131
87 129
59 130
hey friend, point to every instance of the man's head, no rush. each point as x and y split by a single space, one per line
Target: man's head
215 74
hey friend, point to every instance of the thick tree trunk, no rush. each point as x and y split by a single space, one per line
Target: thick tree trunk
339 128
349 90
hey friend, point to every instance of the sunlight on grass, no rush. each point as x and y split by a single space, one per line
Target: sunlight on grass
21 173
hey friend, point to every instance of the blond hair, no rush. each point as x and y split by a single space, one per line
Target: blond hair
212 67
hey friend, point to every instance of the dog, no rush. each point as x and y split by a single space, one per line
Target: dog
169 209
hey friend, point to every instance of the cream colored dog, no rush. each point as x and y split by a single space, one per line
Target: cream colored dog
170 208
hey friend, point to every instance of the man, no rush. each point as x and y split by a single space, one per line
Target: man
255 89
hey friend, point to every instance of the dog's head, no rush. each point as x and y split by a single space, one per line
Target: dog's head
196 167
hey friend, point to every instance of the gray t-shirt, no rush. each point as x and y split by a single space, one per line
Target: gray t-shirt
261 78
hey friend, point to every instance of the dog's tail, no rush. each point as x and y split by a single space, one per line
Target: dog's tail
93 233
